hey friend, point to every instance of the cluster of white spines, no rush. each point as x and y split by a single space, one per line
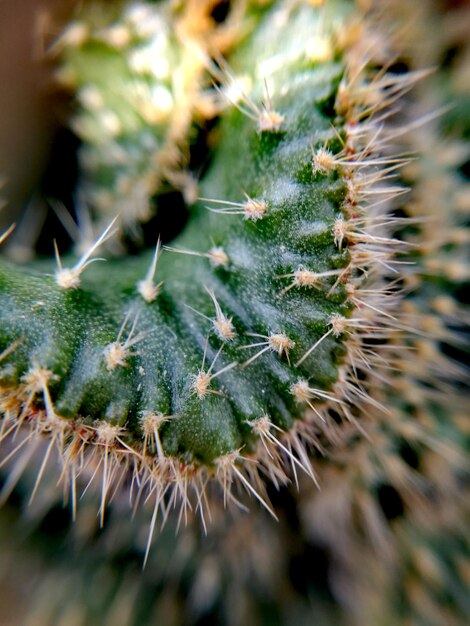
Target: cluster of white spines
69 278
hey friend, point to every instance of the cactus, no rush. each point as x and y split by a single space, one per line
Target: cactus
190 360
275 324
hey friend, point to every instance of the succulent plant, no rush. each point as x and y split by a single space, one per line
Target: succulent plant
190 360
277 328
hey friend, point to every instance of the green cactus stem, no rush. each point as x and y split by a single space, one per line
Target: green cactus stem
225 355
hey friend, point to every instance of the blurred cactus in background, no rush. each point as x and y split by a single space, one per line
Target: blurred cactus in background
261 395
